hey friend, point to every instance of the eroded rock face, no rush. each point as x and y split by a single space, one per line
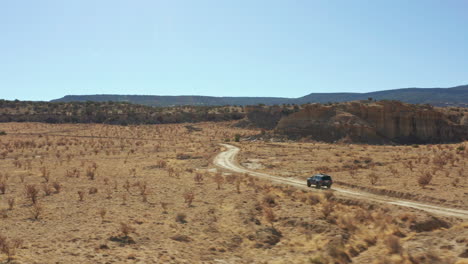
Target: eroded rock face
375 123
264 117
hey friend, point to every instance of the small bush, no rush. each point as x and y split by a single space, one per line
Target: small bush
57 186
164 207
269 200
198 178
189 196
393 244
47 189
328 195
102 213
373 178
126 229
81 195
3 187
181 238
327 209
181 218
313 199
11 203
424 179
9 247
2 133
31 192
269 215
219 179
36 211
92 190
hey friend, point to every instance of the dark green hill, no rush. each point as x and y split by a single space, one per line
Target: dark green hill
456 96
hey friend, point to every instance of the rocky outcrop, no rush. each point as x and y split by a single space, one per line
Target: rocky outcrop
266 117
375 123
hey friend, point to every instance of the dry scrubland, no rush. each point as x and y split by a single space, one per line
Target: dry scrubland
433 173
149 194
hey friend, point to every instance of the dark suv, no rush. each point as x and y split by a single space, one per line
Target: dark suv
320 180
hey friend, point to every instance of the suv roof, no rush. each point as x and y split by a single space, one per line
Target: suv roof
321 175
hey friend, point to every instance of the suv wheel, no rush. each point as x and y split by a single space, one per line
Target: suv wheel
308 184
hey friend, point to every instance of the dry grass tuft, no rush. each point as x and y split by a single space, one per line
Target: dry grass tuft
181 218
9 247
31 192
424 179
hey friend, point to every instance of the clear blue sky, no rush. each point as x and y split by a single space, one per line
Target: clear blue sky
287 48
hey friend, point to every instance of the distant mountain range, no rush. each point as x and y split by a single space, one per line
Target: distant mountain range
455 96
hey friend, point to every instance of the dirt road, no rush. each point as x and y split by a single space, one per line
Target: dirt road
227 160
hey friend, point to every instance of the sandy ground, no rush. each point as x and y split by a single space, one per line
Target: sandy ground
227 160
150 194
395 169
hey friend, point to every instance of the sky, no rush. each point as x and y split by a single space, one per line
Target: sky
286 48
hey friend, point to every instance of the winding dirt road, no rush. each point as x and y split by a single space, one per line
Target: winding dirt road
227 160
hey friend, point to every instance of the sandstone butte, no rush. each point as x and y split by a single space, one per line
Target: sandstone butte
371 122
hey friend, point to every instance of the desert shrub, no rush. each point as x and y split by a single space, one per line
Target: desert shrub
181 238
45 173
9 247
313 198
424 179
393 244
36 211
269 200
338 254
91 173
353 171
22 177
269 215
47 189
183 156
189 196
393 171
81 195
102 213
231 178
181 218
127 186
57 186
3 187
219 179
93 190
440 160
323 169
31 192
346 222
11 203
237 137
327 208
198 178
161 164
126 229
455 182
238 184
133 172
328 195
409 164
2 133
164 207
373 178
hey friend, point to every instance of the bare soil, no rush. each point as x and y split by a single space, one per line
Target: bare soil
150 194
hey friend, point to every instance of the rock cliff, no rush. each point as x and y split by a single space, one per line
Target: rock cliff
372 122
